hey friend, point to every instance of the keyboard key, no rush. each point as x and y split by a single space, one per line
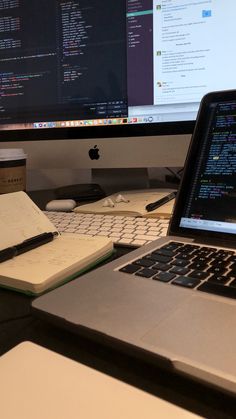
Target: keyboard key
183 256
217 270
179 262
154 230
138 243
144 262
114 236
219 279
219 262
172 246
160 258
202 259
116 229
179 270
162 266
218 289
128 231
199 275
94 232
189 248
164 224
198 266
128 236
222 254
146 273
233 267
165 252
141 232
186 281
146 237
164 276
71 230
130 269
125 242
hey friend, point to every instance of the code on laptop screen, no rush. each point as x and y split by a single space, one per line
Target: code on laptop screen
212 201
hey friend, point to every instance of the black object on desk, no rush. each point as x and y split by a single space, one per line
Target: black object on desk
160 202
80 192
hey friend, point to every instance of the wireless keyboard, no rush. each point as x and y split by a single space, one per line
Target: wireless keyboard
122 230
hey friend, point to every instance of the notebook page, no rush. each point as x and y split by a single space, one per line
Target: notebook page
20 219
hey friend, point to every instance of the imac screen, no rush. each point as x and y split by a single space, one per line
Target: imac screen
72 69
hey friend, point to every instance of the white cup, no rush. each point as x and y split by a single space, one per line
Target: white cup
12 170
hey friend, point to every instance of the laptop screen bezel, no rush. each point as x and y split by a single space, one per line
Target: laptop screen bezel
190 169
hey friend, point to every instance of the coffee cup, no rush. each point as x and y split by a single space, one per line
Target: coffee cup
12 170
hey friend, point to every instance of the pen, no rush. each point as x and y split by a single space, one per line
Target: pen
26 245
160 202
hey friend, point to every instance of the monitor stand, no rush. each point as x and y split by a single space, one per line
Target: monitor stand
115 180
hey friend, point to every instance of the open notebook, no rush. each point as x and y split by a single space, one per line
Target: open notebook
36 383
51 263
131 203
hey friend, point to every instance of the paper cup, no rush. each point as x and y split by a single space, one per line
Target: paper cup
12 170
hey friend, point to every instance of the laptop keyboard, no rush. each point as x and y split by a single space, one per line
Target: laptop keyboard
122 230
192 266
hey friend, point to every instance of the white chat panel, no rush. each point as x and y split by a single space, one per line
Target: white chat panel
193 45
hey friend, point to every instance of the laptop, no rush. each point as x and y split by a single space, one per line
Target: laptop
174 299
40 384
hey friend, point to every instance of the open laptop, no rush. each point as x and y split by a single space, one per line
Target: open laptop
40 384
174 300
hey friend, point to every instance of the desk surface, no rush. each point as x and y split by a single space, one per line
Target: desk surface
17 324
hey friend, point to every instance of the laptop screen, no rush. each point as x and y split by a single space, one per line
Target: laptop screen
210 188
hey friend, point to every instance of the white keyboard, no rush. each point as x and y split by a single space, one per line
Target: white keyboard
122 230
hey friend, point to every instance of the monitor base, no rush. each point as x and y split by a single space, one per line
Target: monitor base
115 180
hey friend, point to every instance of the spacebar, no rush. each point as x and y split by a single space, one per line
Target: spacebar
218 289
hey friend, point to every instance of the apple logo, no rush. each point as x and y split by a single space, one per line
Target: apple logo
94 153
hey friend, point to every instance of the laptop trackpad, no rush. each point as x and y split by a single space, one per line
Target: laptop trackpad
200 333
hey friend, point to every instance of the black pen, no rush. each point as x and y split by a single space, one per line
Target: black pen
160 202
26 245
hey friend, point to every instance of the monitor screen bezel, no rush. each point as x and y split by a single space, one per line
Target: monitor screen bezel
98 132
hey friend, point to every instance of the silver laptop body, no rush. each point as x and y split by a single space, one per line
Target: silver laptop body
183 312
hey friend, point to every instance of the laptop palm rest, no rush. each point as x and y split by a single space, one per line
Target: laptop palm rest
96 304
195 343
185 328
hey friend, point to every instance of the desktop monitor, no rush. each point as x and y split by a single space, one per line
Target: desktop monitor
110 84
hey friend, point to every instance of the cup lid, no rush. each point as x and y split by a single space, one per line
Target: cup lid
12 154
